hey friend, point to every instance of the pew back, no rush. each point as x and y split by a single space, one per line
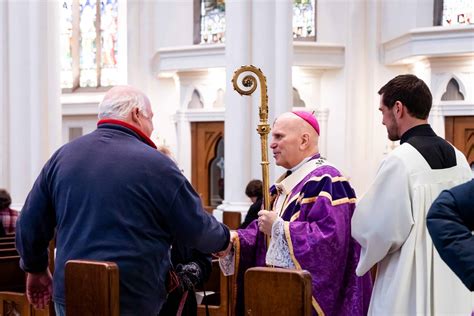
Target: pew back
8 238
274 291
92 288
8 252
7 245
12 277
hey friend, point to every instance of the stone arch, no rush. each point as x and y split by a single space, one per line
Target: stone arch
452 92
297 101
195 100
449 80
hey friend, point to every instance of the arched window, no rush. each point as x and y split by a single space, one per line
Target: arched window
89 44
453 12
216 175
209 21
304 20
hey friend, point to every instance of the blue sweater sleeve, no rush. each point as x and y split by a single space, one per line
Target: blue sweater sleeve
450 224
35 227
192 225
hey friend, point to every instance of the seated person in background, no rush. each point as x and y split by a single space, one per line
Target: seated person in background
254 192
192 267
450 222
7 215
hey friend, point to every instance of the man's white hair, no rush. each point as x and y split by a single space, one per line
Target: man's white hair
120 101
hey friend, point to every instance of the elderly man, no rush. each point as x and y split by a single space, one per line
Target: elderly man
111 196
309 223
389 221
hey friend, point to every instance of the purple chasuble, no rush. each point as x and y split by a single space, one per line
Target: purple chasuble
317 214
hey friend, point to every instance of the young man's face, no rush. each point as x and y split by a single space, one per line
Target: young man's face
388 119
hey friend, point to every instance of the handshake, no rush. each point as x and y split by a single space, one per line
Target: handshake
224 253
265 223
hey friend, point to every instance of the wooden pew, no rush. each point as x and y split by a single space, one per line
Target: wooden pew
8 238
8 252
92 288
13 285
232 219
269 291
219 302
7 245
13 301
12 278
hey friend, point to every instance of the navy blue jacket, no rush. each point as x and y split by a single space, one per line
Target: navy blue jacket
450 222
112 197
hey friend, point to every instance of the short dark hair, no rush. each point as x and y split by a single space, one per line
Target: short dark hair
254 189
411 91
5 199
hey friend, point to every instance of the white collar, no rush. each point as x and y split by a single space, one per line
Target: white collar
300 164
300 171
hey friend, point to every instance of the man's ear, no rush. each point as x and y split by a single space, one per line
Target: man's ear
304 141
135 115
398 109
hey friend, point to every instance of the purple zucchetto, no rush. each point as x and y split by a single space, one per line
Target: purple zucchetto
308 117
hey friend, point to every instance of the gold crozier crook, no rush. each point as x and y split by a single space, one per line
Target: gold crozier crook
250 81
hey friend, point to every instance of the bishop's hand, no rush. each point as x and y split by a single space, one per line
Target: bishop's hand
266 220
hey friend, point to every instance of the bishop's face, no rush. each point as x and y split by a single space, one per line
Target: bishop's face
285 143
388 119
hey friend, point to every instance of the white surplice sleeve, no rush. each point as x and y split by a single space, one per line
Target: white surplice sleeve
278 253
383 218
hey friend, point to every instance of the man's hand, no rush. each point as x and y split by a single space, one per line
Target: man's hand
39 288
223 253
266 220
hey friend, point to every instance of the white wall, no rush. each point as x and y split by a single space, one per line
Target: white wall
400 16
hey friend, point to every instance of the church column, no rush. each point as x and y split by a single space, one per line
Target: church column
29 92
258 33
272 42
237 127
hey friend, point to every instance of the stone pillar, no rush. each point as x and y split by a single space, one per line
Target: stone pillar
237 128
29 92
258 33
272 44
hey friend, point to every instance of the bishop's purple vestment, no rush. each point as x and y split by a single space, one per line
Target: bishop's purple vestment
316 204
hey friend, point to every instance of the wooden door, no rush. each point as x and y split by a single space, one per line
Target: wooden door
460 132
207 174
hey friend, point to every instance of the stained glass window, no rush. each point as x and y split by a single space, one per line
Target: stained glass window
212 21
109 31
458 12
304 19
89 50
88 57
66 39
